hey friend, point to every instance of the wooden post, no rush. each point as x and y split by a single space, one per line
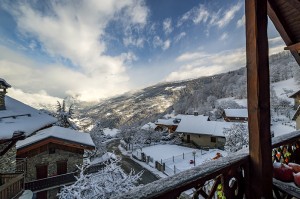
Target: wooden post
259 184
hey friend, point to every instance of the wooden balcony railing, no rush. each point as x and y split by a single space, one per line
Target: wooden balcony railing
51 182
12 185
231 172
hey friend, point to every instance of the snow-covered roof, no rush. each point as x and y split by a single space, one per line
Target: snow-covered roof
166 122
19 117
294 94
200 125
148 126
236 112
192 117
4 83
60 133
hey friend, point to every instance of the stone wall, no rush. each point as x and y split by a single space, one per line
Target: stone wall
8 160
205 140
72 159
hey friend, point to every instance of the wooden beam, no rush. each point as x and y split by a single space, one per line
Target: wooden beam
295 47
294 3
282 27
258 91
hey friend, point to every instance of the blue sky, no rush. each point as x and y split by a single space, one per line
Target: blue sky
97 48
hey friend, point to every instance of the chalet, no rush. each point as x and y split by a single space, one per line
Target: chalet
235 115
167 124
52 157
296 97
17 121
201 132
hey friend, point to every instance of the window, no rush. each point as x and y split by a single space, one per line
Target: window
62 167
51 150
213 139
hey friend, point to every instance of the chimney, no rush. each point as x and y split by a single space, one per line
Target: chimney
196 113
3 86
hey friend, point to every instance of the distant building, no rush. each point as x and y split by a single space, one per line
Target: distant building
235 115
52 155
17 121
296 97
202 132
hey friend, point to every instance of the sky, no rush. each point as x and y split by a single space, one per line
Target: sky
95 49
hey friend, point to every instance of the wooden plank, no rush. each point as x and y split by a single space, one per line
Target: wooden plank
294 3
282 27
12 181
258 91
295 46
285 139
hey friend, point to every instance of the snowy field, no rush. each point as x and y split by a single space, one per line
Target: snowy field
177 158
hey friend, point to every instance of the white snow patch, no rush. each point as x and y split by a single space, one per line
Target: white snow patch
21 117
60 133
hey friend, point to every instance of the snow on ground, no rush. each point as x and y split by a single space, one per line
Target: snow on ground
103 158
281 89
111 132
241 102
281 129
182 156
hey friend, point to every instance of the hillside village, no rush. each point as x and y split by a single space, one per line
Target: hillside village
41 152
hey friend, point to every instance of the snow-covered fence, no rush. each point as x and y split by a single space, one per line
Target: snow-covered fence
171 170
179 158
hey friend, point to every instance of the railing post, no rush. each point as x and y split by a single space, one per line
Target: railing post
258 91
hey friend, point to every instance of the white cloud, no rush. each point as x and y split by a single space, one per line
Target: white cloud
138 42
167 26
241 22
228 15
179 37
201 15
199 64
73 31
166 45
191 56
158 42
224 36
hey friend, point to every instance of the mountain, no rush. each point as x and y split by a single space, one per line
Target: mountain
151 103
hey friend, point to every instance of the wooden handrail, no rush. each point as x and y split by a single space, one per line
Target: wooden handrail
173 186
53 181
13 187
285 139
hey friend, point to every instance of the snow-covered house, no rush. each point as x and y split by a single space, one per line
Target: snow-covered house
235 115
296 97
201 132
17 121
52 155
167 124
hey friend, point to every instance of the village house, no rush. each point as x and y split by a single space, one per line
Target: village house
202 132
17 121
296 97
235 115
52 156
169 125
